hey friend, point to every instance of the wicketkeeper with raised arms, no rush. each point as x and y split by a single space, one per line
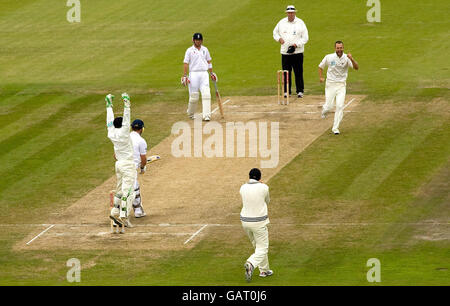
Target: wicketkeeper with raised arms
119 134
198 61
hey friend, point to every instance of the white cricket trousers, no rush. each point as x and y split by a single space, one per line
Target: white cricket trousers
126 178
259 237
199 82
335 91
137 202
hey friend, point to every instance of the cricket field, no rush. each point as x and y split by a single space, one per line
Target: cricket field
379 190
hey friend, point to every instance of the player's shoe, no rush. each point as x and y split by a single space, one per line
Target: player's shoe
266 273
324 113
139 213
248 271
300 95
206 118
336 132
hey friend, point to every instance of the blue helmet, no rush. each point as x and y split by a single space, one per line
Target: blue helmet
137 124
198 36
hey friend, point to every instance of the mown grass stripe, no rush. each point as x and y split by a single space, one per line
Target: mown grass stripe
417 167
20 110
42 126
352 157
29 149
405 141
53 172
31 118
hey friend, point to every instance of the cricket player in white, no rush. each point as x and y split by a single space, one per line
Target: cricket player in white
119 134
198 60
254 219
140 161
335 87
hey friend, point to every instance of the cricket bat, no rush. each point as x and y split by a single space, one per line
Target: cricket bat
218 99
153 158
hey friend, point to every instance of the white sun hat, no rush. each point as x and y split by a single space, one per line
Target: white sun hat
290 8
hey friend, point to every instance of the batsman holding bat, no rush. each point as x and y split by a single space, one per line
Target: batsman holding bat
198 61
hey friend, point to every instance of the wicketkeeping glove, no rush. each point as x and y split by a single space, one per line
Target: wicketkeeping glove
109 100
126 99
291 49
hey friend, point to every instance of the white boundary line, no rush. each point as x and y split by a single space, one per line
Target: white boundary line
228 100
196 233
40 234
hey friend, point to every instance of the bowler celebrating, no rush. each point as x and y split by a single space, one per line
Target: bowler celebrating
335 87
198 60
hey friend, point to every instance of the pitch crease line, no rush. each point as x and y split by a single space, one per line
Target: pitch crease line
230 224
228 100
196 233
350 102
41 233
282 113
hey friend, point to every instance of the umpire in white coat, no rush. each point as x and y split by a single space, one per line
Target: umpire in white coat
292 34
254 219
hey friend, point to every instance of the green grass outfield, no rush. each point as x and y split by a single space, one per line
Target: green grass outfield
390 167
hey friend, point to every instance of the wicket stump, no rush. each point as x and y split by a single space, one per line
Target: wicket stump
283 95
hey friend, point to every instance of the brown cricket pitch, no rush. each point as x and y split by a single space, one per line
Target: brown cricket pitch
180 195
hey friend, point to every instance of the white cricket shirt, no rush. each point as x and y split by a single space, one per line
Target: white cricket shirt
294 32
123 148
139 147
197 59
255 197
337 67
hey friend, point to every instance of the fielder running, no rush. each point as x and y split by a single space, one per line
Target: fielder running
335 87
198 60
254 219
140 161
119 134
